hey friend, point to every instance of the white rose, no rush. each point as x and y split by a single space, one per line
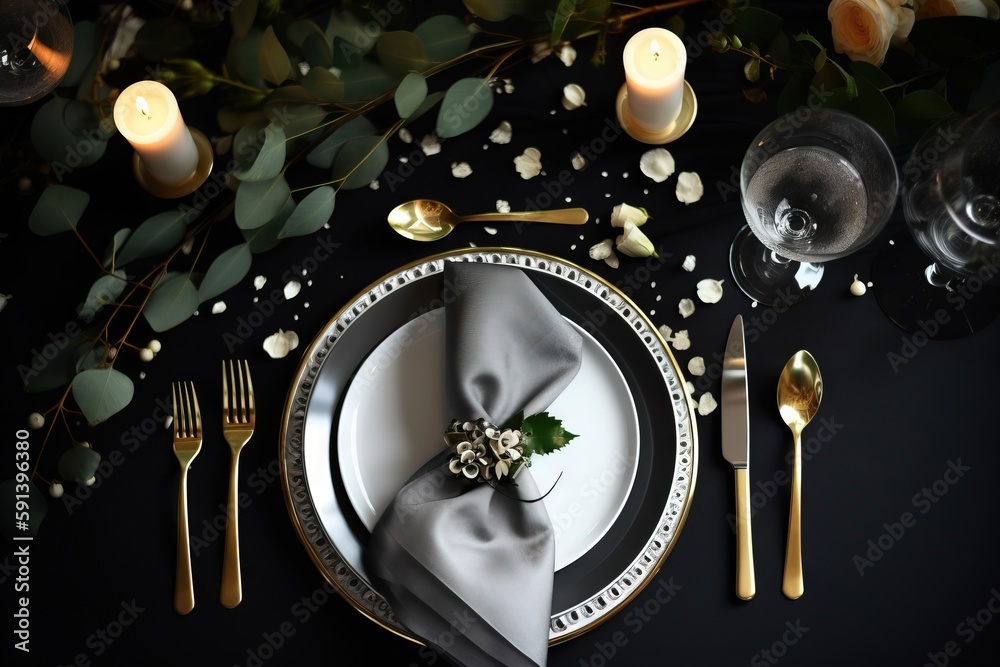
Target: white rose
926 9
633 242
864 29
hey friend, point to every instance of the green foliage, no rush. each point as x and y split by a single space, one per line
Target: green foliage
227 270
105 290
78 463
155 235
58 210
465 105
257 202
410 94
173 300
101 393
311 213
542 434
359 162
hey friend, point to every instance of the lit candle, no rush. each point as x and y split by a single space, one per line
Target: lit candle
654 77
147 114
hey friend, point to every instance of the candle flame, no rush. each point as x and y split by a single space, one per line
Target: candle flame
142 106
654 46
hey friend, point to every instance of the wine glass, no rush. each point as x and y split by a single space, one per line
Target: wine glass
36 45
815 185
940 277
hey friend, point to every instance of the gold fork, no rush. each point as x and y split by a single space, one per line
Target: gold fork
187 444
239 415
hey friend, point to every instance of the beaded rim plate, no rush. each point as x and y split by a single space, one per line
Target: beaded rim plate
588 591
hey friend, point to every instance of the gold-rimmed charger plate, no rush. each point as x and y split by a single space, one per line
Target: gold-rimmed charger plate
594 587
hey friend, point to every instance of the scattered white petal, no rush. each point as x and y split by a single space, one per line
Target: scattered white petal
502 134
508 86
529 164
188 246
574 97
292 288
657 163
430 144
374 185
689 387
578 161
665 331
689 187
490 230
612 261
602 250
688 264
405 136
681 341
633 242
279 344
709 290
707 404
622 212
567 54
503 206
858 288
259 282
696 366
460 169
685 307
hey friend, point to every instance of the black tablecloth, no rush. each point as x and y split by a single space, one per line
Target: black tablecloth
900 541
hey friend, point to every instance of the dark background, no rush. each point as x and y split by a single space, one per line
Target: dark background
898 430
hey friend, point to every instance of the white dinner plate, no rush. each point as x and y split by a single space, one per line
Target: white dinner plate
631 540
394 415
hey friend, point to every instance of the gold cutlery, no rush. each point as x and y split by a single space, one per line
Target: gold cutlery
429 220
239 416
800 390
187 444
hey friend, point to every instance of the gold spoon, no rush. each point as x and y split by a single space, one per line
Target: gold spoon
429 220
800 390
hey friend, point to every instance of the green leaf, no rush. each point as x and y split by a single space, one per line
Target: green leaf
564 10
243 57
921 109
117 241
265 237
265 146
174 299
410 94
231 119
466 103
495 10
542 434
65 132
429 103
323 155
311 213
257 202
105 290
297 120
156 234
400 51
242 16
324 84
92 358
226 271
754 24
101 393
78 464
871 73
38 507
87 37
165 37
360 161
444 37
54 366
587 18
58 209
367 81
316 51
272 59
876 110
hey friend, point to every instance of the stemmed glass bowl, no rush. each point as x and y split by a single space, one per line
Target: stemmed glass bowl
940 278
36 45
815 186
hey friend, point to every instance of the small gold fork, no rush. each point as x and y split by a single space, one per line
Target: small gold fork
187 444
239 415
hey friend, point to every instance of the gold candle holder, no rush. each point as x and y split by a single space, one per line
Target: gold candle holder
158 188
672 132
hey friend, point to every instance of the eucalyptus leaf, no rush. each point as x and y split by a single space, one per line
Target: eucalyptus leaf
105 290
243 57
155 235
311 213
257 202
323 155
226 271
78 464
367 81
324 84
92 358
38 507
495 10
466 103
117 241
87 36
174 299
346 55
58 209
272 59
268 159
163 37
232 119
444 37
410 94
429 103
360 161
400 52
317 51
242 16
345 27
298 120
65 132
54 365
264 238
101 393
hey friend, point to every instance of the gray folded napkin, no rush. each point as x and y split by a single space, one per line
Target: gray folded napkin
466 567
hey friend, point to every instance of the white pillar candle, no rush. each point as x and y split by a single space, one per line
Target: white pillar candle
655 59
146 113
